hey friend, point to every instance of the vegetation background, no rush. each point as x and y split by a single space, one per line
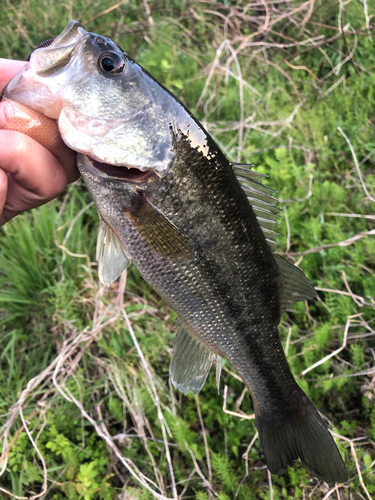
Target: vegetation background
86 407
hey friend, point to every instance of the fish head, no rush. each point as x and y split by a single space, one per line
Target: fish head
126 128
107 106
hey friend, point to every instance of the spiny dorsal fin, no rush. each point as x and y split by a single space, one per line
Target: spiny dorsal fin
191 362
294 284
111 258
261 199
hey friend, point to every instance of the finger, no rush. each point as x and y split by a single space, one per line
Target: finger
15 116
67 159
9 68
65 155
3 194
37 176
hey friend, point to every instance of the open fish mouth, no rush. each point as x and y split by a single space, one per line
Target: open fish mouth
122 173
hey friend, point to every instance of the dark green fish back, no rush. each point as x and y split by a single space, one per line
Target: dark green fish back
229 283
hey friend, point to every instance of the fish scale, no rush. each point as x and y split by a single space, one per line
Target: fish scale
198 228
231 303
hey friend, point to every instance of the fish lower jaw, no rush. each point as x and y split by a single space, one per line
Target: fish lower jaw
121 173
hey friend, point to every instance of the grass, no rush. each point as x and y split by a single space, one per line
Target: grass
86 407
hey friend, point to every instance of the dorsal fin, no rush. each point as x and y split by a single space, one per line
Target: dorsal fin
261 199
294 284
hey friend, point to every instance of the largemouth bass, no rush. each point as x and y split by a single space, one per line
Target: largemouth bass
199 229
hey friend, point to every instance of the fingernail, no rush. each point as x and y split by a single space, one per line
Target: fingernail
6 112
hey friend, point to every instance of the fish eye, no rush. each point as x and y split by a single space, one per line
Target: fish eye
112 63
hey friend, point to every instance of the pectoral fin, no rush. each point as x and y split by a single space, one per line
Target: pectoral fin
191 362
162 235
111 258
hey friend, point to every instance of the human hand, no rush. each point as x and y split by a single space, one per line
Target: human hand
30 174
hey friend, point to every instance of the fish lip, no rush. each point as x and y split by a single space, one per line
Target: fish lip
72 33
73 38
71 41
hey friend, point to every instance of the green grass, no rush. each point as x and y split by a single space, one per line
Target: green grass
51 302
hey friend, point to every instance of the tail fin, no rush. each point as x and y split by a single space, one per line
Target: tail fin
300 433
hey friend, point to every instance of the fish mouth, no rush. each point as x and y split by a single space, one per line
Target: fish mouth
122 173
71 34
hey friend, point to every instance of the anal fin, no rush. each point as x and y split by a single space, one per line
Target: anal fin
191 362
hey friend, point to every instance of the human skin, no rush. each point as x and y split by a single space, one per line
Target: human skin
30 174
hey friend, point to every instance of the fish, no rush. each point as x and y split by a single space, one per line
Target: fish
199 228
